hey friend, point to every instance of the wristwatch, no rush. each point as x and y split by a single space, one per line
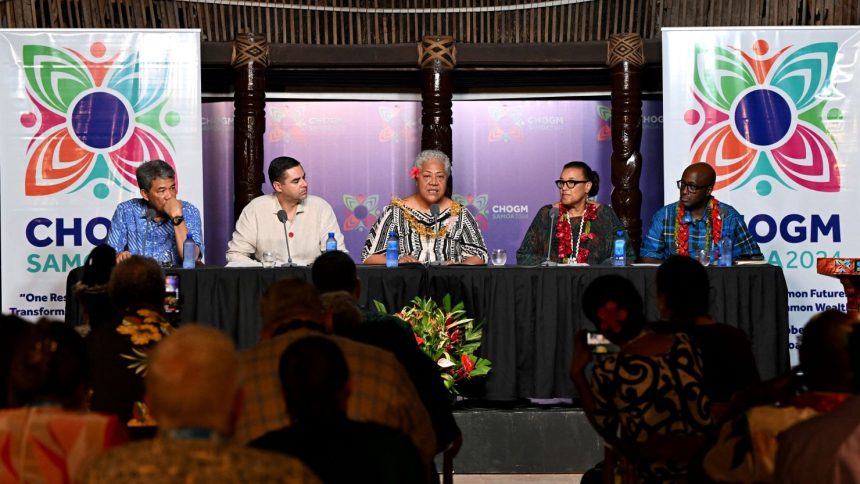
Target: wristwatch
177 220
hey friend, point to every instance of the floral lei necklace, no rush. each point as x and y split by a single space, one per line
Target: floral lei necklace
713 229
420 228
564 233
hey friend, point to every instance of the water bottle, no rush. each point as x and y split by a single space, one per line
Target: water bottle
726 252
392 250
331 243
619 250
189 253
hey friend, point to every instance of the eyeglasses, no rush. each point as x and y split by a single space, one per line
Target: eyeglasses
689 186
569 183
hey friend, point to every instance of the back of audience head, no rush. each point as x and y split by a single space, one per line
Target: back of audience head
13 330
193 380
99 265
683 289
345 315
825 352
137 282
289 300
315 380
614 305
50 365
335 271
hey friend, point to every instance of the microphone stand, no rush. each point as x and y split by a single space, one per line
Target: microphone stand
434 212
282 216
548 263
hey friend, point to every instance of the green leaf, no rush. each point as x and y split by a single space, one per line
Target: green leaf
380 307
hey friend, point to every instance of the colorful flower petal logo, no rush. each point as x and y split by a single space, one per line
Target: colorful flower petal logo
762 116
361 211
506 124
97 119
395 127
478 204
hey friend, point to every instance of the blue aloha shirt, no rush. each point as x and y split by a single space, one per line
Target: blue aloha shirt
129 230
659 243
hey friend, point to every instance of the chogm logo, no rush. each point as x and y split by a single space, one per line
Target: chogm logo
510 212
477 204
289 124
97 118
395 128
762 116
361 211
506 124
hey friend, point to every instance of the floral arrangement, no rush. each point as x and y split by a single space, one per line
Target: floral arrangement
144 328
447 336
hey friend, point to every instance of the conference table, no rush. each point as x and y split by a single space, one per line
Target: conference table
530 314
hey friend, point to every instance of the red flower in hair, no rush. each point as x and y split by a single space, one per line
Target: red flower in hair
611 317
414 172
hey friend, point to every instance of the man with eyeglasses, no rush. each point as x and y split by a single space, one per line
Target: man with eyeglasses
697 222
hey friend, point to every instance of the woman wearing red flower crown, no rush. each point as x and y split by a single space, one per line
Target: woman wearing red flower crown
584 230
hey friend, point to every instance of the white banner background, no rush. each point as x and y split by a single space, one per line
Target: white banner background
81 110
775 110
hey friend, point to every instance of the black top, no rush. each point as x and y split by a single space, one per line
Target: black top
345 451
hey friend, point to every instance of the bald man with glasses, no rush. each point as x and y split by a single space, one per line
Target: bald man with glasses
697 222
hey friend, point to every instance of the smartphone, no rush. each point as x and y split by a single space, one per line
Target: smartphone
600 343
171 294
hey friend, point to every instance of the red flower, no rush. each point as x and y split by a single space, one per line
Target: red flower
611 317
419 339
448 323
414 172
455 336
468 364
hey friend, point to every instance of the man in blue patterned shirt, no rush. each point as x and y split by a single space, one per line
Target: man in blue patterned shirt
698 213
156 225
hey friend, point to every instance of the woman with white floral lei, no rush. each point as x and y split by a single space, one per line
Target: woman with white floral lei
430 226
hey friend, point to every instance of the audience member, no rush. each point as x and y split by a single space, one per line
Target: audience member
136 290
12 330
647 399
683 298
335 273
49 436
381 392
824 448
194 391
316 386
91 292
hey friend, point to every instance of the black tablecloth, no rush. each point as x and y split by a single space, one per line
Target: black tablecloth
530 313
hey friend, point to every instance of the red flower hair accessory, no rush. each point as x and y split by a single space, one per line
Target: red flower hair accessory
611 317
414 172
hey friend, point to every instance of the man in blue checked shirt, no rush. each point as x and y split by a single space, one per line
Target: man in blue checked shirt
156 225
688 225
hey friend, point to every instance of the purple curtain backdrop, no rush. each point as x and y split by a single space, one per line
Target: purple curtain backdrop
357 156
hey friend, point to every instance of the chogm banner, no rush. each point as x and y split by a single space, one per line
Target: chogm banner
81 110
775 112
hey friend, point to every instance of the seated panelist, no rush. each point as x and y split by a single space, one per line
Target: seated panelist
308 219
574 229
697 221
430 226
157 224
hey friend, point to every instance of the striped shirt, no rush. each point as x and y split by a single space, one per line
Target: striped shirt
131 231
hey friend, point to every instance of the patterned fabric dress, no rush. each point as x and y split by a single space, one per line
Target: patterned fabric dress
454 237
641 396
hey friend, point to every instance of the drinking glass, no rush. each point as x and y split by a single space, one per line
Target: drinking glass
499 257
703 257
268 260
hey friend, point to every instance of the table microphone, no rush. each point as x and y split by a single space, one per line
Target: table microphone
553 214
282 216
149 215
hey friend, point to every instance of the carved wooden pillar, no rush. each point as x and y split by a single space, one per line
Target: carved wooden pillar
249 60
437 56
625 59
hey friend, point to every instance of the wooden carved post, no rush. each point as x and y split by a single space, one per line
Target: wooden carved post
249 59
437 56
625 59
